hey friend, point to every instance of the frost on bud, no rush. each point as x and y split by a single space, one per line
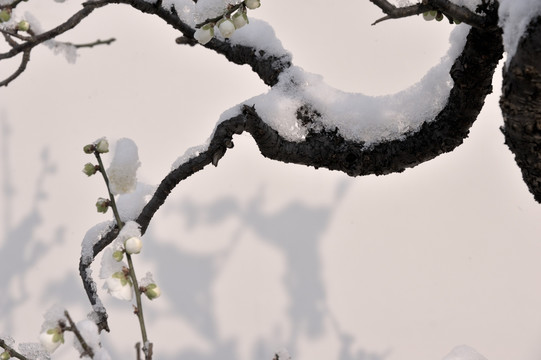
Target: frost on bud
102 146
152 291
23 25
5 356
226 27
51 339
90 169
133 245
430 15
119 286
204 34
240 19
102 205
118 255
252 4
5 15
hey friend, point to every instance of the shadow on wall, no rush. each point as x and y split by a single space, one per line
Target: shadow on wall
20 246
295 231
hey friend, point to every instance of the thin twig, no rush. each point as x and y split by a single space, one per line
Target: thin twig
95 43
12 351
24 61
87 350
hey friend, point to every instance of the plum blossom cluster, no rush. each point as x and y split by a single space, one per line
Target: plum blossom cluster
235 18
5 16
119 276
438 16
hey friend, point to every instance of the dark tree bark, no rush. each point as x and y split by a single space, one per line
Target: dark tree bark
521 107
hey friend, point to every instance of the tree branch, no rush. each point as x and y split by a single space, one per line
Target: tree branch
462 14
521 107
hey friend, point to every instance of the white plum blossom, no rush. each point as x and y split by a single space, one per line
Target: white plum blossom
240 19
51 339
102 145
204 34
226 27
119 286
117 283
252 4
133 245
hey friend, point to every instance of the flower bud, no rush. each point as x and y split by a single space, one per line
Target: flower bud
119 286
118 255
90 169
23 25
51 339
204 34
5 356
439 16
152 291
430 15
102 146
89 149
5 15
252 4
240 19
226 27
133 245
102 205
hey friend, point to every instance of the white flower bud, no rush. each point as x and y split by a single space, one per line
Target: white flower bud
133 245
240 19
51 339
102 146
204 34
119 286
252 4
226 27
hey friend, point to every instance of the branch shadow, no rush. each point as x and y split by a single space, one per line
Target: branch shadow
295 230
20 245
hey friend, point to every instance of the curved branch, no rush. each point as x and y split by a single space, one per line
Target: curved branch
521 107
24 61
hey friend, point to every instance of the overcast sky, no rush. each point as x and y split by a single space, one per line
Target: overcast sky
255 255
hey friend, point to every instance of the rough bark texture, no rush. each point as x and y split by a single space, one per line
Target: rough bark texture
472 74
521 107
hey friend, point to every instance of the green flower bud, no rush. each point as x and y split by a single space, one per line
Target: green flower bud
89 149
23 25
5 356
90 169
102 205
430 15
118 255
439 16
5 15
152 291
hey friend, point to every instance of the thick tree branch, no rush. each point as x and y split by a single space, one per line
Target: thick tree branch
472 73
521 107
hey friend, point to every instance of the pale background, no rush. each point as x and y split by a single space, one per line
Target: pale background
254 256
